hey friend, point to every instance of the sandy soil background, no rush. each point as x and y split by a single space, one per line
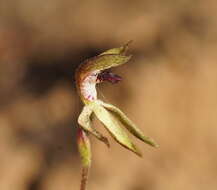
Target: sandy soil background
169 90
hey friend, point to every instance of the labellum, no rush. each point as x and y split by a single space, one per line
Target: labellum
91 72
108 76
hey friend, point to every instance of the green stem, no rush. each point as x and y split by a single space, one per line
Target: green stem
84 178
85 153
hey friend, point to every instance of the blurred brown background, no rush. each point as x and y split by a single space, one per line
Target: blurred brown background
169 90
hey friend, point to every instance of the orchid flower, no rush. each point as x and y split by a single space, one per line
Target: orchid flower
91 72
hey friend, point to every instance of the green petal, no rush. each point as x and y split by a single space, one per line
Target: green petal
129 124
113 126
85 122
121 50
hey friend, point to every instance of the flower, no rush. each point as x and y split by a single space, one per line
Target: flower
91 72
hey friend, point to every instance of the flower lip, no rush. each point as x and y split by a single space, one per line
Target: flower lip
108 76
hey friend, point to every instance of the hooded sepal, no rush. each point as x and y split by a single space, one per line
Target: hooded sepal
84 121
121 50
113 126
106 61
130 126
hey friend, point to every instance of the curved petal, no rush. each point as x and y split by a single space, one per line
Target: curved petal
113 126
129 124
85 122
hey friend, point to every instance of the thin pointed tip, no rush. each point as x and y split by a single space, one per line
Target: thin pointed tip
107 144
149 141
129 42
156 145
153 144
136 151
139 154
105 141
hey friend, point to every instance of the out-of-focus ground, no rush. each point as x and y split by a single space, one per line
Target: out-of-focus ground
169 90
